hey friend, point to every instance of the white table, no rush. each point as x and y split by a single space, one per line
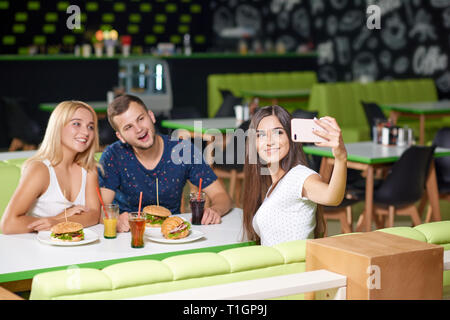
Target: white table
367 156
264 288
22 256
16 155
421 110
207 127
446 260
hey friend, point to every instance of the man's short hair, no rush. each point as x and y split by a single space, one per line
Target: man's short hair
120 105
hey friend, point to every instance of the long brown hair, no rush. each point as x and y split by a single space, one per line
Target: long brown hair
256 185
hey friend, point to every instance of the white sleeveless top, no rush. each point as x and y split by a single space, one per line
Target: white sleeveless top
52 201
285 215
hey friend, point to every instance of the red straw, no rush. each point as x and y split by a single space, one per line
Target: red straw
101 201
199 189
140 202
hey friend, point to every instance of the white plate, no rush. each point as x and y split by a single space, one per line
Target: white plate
89 236
156 235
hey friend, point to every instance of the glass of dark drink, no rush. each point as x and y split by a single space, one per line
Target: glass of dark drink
137 228
197 206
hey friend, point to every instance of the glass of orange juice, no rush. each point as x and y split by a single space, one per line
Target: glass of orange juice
110 220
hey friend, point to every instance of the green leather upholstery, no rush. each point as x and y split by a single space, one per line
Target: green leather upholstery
140 278
435 232
342 100
241 259
235 82
77 281
406 232
145 272
197 265
10 174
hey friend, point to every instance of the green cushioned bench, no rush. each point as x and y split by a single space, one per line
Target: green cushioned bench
235 82
342 100
195 270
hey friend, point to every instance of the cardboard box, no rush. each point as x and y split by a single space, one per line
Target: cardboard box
379 265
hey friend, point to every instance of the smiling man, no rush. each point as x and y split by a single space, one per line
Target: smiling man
141 156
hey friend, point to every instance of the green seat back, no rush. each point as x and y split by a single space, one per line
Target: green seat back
257 81
10 178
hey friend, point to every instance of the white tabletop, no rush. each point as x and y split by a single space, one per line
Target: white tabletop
23 252
421 107
204 123
369 152
16 155
447 260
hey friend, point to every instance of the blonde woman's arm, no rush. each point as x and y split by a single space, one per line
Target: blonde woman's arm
33 182
314 188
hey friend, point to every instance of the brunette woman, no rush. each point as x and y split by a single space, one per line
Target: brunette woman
281 192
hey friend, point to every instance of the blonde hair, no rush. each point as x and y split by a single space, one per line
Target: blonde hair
50 147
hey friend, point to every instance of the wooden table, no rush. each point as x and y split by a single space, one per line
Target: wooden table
380 266
22 256
368 156
276 95
421 110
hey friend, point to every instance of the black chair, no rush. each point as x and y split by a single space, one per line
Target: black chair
227 107
442 165
442 139
106 133
373 113
22 129
343 213
233 171
404 186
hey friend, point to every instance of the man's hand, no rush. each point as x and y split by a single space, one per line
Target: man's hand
122 223
210 216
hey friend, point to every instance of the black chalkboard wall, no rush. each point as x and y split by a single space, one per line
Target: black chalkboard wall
413 41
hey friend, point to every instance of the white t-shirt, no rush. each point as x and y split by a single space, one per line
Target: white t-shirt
285 215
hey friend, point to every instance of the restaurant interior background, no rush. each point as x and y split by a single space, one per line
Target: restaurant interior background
413 42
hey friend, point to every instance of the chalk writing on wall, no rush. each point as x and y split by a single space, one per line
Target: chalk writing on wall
413 40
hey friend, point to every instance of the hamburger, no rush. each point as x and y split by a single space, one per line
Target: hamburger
155 215
67 231
175 228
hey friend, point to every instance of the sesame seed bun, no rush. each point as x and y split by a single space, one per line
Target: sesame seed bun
66 227
159 211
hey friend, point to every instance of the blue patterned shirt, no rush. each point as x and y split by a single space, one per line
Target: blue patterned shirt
123 173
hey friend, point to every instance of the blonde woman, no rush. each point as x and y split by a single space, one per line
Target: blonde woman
61 178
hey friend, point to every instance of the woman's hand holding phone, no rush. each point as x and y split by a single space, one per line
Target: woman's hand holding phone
333 137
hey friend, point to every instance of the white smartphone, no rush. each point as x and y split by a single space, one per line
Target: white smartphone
302 131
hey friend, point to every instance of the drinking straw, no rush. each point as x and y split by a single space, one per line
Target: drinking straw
140 202
199 189
65 208
101 201
157 196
